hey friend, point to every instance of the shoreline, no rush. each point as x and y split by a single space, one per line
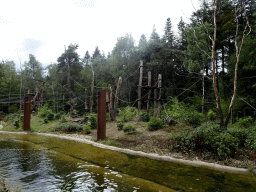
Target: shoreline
196 163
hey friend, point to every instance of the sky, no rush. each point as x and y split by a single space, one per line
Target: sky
44 27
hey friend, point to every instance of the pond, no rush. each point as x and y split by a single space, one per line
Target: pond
40 163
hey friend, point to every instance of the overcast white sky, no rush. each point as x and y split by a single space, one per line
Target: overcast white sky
43 27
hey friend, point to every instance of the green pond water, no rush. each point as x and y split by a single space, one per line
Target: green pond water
40 163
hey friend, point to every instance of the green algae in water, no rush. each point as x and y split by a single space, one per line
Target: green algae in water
37 168
173 175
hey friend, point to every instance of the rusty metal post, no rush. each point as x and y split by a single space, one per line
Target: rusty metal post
27 112
101 115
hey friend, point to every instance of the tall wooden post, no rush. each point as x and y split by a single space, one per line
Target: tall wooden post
159 94
91 99
149 90
139 88
110 103
27 112
155 98
101 115
116 96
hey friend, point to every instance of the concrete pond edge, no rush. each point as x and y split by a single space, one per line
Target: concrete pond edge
196 163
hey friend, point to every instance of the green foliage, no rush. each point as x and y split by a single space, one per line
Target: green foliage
44 111
128 114
87 128
50 116
93 122
68 127
63 120
211 115
145 117
13 109
129 128
182 112
45 120
16 123
58 116
244 122
155 123
209 138
120 125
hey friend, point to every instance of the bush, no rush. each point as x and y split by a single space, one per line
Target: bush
244 122
208 138
128 114
58 116
211 115
145 117
44 111
50 116
13 109
155 123
129 128
182 112
68 127
87 128
93 122
16 124
120 126
63 120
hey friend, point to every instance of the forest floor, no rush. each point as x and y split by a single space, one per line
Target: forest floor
142 140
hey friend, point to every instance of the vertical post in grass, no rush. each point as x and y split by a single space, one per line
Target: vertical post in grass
159 94
27 112
139 90
101 115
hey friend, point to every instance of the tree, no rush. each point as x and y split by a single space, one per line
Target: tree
154 34
32 73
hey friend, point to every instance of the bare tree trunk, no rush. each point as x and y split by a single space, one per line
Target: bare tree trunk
214 78
149 90
238 52
159 94
139 91
116 96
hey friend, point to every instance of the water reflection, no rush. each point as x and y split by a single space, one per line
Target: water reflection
36 168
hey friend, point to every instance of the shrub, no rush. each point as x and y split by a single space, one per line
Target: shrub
128 114
208 138
58 116
244 122
87 128
120 125
44 111
13 109
145 117
45 120
129 128
16 124
155 123
63 120
93 122
183 112
50 116
211 115
68 127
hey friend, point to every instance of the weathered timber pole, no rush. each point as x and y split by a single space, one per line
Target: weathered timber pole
139 88
110 103
159 94
91 99
116 96
155 98
101 115
27 112
149 91
85 102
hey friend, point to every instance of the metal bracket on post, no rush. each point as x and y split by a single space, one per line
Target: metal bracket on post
101 115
